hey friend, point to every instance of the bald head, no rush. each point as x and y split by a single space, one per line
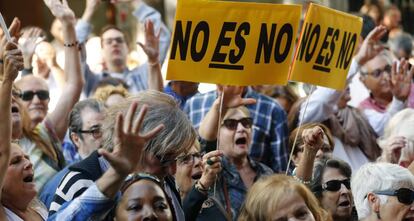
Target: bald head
28 80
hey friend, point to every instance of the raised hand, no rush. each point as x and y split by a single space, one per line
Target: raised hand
370 47
61 11
128 143
401 80
211 167
91 6
28 42
313 138
232 96
13 61
391 153
14 30
152 40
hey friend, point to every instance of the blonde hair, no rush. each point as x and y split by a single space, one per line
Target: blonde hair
103 93
267 194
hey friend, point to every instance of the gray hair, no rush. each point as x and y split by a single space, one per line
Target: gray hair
178 134
377 177
386 55
75 116
402 42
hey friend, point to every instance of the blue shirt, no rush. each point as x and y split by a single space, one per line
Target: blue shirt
181 100
270 131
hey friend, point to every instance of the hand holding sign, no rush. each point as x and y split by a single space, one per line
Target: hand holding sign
401 80
14 32
370 47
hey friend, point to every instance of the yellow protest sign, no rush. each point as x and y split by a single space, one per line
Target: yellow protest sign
328 41
233 43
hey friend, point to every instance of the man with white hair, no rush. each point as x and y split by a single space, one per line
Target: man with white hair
383 191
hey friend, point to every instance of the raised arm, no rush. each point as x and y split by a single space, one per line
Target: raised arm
74 80
232 98
151 49
13 62
313 141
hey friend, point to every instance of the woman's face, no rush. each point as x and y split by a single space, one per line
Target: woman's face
339 203
143 200
19 186
394 210
293 208
235 141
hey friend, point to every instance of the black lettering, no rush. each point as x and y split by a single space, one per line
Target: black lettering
309 54
240 43
332 47
265 43
223 41
345 55
201 27
288 30
179 41
304 42
320 58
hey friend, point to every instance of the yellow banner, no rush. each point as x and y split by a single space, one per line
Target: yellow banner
233 43
328 41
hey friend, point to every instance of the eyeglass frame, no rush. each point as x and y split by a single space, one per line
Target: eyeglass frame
118 40
92 131
180 159
379 72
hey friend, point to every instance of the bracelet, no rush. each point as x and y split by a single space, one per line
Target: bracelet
301 181
70 44
153 64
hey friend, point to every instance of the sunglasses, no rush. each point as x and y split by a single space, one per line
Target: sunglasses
404 195
134 177
232 124
189 158
95 131
41 94
335 185
378 72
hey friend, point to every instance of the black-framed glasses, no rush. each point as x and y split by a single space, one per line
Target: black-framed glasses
404 195
189 158
118 40
41 94
95 131
231 124
377 73
134 177
335 185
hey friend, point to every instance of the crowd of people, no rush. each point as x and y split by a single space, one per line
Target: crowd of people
114 142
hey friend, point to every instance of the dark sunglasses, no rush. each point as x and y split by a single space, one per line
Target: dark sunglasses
335 185
404 195
41 94
95 131
134 177
231 124
378 72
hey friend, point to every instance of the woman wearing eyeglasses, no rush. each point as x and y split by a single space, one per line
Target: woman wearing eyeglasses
143 198
383 191
331 186
221 198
